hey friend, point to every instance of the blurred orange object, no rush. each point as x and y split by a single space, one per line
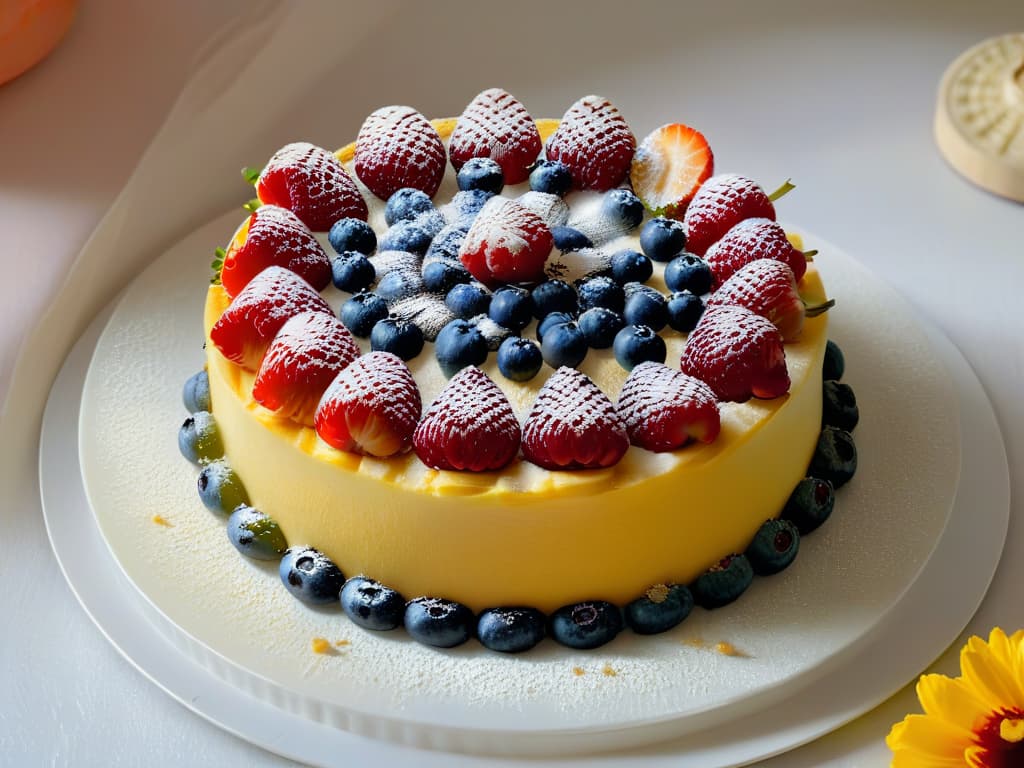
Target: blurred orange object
29 30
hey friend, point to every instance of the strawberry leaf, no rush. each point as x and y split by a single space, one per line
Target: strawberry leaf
251 175
252 205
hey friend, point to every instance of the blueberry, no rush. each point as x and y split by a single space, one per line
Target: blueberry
437 622
196 392
835 364
586 625
352 235
550 321
645 306
810 504
361 312
663 239
442 275
399 284
599 326
255 535
405 205
661 608
511 630
567 239
220 488
723 582
519 359
466 205
552 177
399 337
446 243
431 222
406 236
636 344
563 344
631 267
511 307
774 547
553 296
467 300
371 605
600 291
481 173
493 333
688 273
352 272
623 207
310 575
459 344
835 457
684 310
839 406
199 439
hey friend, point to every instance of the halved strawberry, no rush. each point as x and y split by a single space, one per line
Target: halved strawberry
595 143
507 243
721 203
748 241
306 354
398 147
311 183
737 353
371 407
470 426
573 425
663 409
496 125
274 236
768 287
668 167
256 314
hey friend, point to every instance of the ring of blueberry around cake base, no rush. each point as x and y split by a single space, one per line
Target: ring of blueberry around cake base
524 535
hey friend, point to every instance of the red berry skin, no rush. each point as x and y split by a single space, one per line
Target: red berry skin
573 425
737 353
275 237
398 147
496 125
767 287
507 243
469 427
594 141
748 241
311 183
306 354
371 407
256 314
664 409
721 203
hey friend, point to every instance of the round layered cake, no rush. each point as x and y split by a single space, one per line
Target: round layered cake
536 532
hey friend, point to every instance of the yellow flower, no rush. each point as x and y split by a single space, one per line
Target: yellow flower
973 721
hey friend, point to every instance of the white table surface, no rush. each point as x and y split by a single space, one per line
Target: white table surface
839 99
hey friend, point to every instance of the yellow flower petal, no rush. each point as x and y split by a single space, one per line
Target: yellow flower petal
929 738
954 702
1007 651
990 676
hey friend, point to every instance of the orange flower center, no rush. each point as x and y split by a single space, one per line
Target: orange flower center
1001 739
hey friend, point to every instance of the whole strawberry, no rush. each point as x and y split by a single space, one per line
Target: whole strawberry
573 425
768 287
311 183
371 407
507 243
738 354
595 143
256 314
397 147
496 125
470 426
663 409
748 241
721 203
274 236
306 354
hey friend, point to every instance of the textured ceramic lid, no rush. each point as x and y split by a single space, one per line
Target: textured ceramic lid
979 121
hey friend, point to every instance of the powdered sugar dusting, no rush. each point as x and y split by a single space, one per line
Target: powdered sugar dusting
662 408
426 310
507 243
594 142
720 203
398 147
551 208
496 125
310 181
748 241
